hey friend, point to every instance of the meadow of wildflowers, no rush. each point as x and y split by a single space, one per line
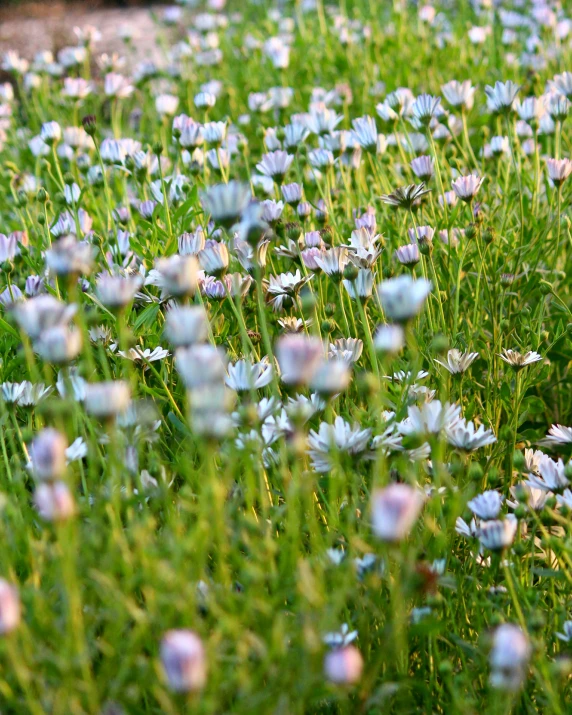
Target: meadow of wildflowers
285 347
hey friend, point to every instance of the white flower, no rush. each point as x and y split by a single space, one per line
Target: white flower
394 511
422 235
214 258
76 87
402 376
226 202
402 298
405 196
457 362
459 94
69 379
175 275
425 107
363 247
464 436
365 132
76 451
283 288
557 435
531 497
294 135
344 636
487 505
51 132
501 96
509 657
499 145
336 556
562 83
214 133
408 255
331 439
564 499
517 360
389 339
275 165
389 440
466 187
470 531
330 377
431 418
364 564
567 634
204 100
32 394
60 344
201 365
362 287
418 614
302 408
559 170
137 354
117 291
11 391
497 535
40 313
166 104
243 376
116 85
320 158
347 349
186 325
551 476
422 167
67 256
322 120
191 243
107 399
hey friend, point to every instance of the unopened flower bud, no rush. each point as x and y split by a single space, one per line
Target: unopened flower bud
54 501
351 272
9 607
343 666
394 511
48 454
89 124
184 661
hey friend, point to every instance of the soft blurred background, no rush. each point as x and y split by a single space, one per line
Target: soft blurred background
30 27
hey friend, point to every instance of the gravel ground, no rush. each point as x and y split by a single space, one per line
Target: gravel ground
49 26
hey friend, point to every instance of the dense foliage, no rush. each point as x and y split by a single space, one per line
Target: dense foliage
285 344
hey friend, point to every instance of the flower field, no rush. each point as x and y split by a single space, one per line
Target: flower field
285 348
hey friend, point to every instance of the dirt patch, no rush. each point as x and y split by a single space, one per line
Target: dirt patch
50 26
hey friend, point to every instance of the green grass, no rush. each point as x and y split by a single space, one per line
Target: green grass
234 546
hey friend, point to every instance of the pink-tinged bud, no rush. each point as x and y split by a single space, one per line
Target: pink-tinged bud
343 666
509 657
184 661
394 511
48 454
54 502
9 607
